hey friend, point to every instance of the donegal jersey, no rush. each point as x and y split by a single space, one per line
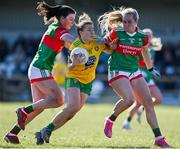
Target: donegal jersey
50 45
147 75
125 56
86 73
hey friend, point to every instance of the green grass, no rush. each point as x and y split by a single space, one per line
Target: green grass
85 130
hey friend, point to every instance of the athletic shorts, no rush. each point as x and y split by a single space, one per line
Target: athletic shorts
72 82
35 74
115 75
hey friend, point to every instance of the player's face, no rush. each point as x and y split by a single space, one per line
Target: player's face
114 24
129 24
68 21
88 32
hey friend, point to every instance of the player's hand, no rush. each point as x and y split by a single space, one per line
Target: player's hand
113 44
78 59
156 74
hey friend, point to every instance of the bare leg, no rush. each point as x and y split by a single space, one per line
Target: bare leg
123 89
37 95
54 96
142 93
156 94
76 100
133 109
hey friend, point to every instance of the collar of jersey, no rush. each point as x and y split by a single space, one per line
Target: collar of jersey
131 34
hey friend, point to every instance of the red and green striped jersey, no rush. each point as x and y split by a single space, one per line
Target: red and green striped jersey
50 45
125 56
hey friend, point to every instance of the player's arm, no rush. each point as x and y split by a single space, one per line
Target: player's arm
148 62
68 39
146 56
76 60
111 40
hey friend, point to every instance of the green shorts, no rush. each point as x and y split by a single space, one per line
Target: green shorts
72 82
146 74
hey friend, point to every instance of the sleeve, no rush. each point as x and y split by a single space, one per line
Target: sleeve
111 36
105 49
69 52
146 41
72 47
60 32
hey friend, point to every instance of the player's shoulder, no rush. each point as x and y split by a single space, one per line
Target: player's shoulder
119 29
141 33
77 42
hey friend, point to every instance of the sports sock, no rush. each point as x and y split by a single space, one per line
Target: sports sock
112 117
156 132
28 109
51 126
129 118
15 130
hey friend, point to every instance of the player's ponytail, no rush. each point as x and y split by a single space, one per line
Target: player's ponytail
49 12
110 19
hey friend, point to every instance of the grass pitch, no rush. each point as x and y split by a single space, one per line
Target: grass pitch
85 130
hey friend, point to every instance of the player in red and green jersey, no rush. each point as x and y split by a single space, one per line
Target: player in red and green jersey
125 77
45 91
154 90
79 78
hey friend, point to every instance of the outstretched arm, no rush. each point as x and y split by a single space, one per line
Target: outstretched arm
68 39
149 65
146 56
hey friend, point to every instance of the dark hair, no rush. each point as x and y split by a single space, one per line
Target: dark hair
49 12
84 19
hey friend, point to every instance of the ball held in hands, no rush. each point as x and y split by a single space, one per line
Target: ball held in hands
79 56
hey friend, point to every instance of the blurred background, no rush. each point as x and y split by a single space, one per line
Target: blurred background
21 30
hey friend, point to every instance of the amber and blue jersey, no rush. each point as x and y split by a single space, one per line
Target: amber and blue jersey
86 73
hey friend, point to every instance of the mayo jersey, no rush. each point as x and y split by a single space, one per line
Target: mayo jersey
50 45
86 73
125 56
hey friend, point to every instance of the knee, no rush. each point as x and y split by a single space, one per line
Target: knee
159 100
60 101
129 101
148 104
73 110
59 98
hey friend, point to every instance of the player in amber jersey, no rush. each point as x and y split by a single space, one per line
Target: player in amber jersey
45 91
154 90
79 78
124 75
